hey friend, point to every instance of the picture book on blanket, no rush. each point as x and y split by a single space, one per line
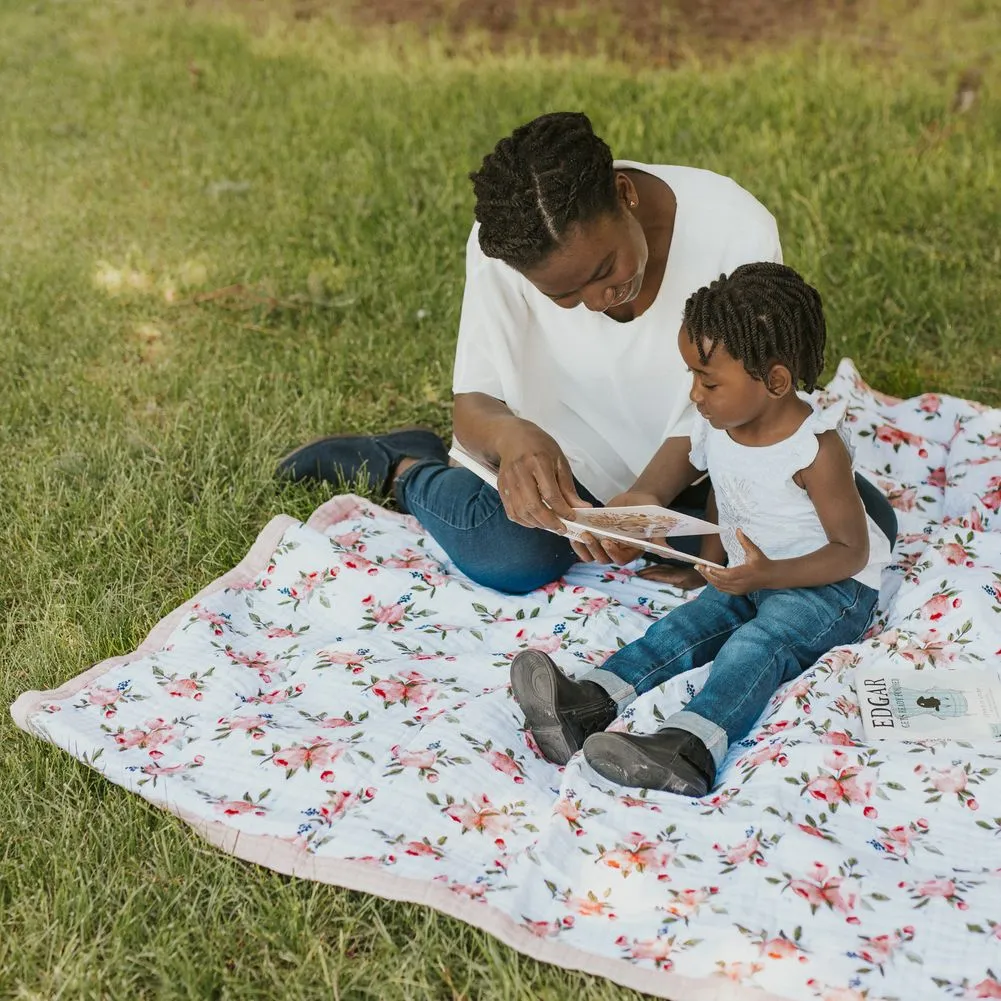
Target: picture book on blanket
636 526
964 704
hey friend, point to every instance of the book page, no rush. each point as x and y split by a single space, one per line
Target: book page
643 521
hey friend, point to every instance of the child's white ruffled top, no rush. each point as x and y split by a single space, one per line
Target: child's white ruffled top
755 492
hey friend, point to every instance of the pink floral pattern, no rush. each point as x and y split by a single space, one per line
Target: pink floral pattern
345 704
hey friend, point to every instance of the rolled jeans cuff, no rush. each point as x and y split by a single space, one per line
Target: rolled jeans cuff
713 736
619 691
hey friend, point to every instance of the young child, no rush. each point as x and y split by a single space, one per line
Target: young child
804 560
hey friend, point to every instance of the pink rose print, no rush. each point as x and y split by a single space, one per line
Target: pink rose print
154 770
219 622
480 815
936 478
818 887
929 403
156 734
950 890
185 688
103 696
896 436
987 988
686 903
656 950
845 784
949 780
275 697
897 840
592 606
738 972
349 539
405 688
637 854
411 559
878 950
783 948
505 764
318 752
941 604
258 661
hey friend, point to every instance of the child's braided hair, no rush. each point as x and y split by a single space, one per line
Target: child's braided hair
537 183
763 314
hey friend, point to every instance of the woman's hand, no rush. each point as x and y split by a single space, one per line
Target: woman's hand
535 482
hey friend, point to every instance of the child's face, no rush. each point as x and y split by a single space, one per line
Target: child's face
722 391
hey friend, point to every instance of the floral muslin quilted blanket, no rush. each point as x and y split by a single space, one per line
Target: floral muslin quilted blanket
337 707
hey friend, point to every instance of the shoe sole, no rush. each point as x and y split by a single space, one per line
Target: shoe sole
533 684
615 757
353 434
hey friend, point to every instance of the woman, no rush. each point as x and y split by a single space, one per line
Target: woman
567 369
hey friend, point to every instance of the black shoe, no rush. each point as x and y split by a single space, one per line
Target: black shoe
671 760
342 458
560 712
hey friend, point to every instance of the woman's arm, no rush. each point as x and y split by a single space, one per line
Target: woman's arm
830 483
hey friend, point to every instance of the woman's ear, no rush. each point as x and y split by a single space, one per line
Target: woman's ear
779 381
626 191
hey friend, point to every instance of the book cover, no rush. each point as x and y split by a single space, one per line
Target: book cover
901 704
634 526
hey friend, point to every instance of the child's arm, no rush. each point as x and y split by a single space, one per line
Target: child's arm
830 483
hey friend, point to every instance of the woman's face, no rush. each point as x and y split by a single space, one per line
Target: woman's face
601 263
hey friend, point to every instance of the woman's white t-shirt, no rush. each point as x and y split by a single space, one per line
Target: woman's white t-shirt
610 393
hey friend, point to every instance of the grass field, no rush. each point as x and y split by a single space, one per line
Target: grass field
152 155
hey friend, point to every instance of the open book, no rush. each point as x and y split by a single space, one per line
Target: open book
632 526
902 704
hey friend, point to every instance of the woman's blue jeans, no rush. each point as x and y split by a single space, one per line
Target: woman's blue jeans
757 642
467 519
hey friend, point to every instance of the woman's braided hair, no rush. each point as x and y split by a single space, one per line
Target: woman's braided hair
763 314
537 183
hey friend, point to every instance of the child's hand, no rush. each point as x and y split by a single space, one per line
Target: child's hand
754 574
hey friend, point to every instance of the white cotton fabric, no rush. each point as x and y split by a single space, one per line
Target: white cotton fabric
756 492
610 393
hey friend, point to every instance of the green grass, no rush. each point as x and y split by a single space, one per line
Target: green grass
326 170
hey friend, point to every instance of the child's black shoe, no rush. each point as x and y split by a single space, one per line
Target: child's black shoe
559 711
671 760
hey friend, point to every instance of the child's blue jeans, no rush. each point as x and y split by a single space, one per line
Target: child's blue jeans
756 642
